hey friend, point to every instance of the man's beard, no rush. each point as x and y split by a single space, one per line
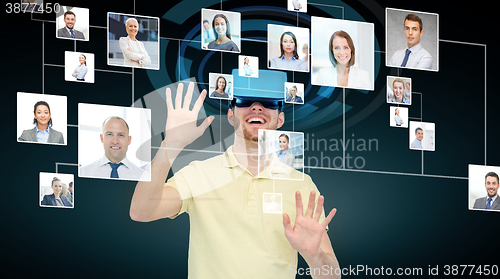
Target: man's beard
250 135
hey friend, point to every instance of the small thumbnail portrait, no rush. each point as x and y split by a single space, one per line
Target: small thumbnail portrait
294 93
56 190
114 142
483 188
248 66
398 117
272 203
288 48
398 90
281 154
297 5
133 41
220 86
412 39
72 23
221 30
41 118
342 53
422 136
79 66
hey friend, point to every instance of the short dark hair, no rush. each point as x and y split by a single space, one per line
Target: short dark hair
491 173
41 103
414 17
228 30
348 38
416 130
295 54
69 13
286 136
70 184
205 21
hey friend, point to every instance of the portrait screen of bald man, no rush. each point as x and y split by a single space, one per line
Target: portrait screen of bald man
114 142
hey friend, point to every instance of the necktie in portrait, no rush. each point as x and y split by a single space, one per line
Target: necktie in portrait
488 204
405 60
114 170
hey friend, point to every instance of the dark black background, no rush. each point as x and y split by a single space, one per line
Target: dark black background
383 219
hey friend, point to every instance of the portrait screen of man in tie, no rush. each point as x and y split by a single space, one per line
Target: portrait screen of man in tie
115 139
69 31
414 55
491 201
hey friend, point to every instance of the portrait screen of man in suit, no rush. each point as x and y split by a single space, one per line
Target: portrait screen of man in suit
491 201
69 30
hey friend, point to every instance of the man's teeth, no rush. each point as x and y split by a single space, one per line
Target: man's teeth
255 120
115 147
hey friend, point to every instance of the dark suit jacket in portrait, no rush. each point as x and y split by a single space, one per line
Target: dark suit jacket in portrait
63 33
30 135
298 99
481 204
50 200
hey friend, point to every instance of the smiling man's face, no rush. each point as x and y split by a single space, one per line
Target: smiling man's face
115 140
69 20
491 185
248 120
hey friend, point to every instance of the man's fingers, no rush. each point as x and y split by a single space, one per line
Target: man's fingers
319 208
178 96
199 103
329 217
168 97
310 206
189 95
206 123
287 223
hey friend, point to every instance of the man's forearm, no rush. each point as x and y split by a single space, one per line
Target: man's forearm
148 196
327 265
324 260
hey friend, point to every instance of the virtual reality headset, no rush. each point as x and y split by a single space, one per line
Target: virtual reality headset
267 89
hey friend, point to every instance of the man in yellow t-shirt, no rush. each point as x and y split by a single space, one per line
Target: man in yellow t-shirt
231 235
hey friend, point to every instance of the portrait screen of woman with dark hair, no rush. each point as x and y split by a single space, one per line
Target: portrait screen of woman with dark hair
289 58
219 85
43 131
225 28
288 48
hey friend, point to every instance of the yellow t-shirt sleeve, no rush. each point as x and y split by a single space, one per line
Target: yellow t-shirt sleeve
179 183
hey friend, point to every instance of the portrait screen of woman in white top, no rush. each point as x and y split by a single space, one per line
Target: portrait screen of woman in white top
81 70
289 58
397 118
246 67
134 52
342 73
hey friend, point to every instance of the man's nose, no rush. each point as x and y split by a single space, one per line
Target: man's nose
257 106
